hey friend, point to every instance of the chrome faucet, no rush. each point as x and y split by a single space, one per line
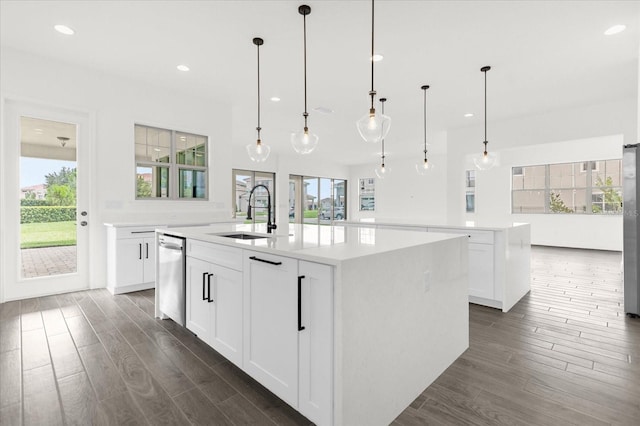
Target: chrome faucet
270 226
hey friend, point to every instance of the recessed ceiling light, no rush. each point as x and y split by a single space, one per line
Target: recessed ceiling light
183 138
469 114
157 149
275 99
63 29
377 57
37 130
183 68
615 29
323 110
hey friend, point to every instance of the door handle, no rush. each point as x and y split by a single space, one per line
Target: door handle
83 213
209 299
204 293
140 251
83 223
300 326
147 256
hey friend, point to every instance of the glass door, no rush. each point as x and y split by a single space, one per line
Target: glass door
46 198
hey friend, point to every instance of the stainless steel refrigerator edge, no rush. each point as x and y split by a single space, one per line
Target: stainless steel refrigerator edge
631 224
170 278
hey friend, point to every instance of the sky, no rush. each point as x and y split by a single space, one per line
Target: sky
33 170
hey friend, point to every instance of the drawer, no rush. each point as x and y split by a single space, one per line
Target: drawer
475 236
229 257
136 232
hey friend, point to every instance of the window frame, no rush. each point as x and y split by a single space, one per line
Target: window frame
299 203
174 168
589 188
253 174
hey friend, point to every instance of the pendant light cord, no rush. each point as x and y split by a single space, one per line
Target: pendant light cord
383 100
258 128
372 92
306 114
424 89
486 142
485 107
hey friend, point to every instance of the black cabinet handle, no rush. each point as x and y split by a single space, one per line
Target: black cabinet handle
300 326
147 250
140 251
204 297
265 261
209 299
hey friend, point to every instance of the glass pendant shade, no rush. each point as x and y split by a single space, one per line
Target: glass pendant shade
486 160
304 142
374 127
258 151
382 171
423 167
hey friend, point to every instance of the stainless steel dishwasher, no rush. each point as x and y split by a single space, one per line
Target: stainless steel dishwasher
171 277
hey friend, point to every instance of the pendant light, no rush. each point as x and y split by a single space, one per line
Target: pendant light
486 160
423 166
258 152
382 171
304 142
374 126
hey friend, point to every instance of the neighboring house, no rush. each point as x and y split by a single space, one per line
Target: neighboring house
39 190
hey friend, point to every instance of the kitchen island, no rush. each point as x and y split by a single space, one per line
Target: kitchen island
347 325
499 256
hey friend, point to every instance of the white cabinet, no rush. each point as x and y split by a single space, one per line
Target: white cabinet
130 259
288 334
316 342
271 323
481 282
214 301
270 315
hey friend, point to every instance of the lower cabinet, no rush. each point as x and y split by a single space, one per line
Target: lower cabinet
271 323
214 307
130 259
273 318
481 280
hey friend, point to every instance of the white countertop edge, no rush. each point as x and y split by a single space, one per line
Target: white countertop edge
427 225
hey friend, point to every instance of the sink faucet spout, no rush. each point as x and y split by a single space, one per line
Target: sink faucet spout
270 225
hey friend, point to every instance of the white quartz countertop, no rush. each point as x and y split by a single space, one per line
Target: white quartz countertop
169 223
487 226
315 243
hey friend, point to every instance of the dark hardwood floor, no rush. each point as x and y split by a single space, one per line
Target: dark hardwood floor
566 354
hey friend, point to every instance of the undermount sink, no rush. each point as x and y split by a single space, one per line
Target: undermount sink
239 235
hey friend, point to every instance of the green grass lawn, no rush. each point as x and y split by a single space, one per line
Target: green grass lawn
51 234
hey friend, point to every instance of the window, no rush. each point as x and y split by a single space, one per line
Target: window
590 187
170 164
317 200
243 182
367 195
470 191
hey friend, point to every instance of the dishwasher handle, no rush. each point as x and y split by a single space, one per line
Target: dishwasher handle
170 246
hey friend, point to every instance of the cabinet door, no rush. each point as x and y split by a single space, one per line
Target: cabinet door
149 259
226 327
481 270
198 315
129 255
271 323
316 342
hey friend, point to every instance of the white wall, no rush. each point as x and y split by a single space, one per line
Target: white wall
118 103
403 194
591 133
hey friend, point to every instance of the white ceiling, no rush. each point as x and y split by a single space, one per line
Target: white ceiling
545 55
